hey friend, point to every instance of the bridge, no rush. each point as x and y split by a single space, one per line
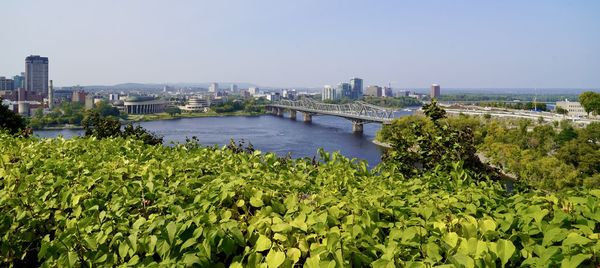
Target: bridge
358 112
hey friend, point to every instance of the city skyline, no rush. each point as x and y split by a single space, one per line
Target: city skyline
466 44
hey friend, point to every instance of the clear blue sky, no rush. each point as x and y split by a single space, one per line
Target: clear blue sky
308 43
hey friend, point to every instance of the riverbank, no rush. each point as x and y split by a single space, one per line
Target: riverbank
165 116
381 144
156 117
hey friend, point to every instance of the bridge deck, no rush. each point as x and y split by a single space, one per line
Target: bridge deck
356 111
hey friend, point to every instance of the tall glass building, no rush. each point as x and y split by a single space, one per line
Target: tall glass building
344 90
356 84
36 74
19 81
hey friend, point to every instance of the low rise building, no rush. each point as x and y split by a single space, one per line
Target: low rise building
573 107
144 105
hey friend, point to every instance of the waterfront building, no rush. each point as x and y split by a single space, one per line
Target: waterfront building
195 104
213 88
6 83
374 91
19 81
573 107
435 91
36 74
356 85
144 105
328 93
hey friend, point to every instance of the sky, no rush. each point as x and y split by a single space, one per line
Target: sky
308 43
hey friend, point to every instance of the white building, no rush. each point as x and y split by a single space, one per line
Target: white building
254 91
195 104
214 87
573 107
329 93
273 96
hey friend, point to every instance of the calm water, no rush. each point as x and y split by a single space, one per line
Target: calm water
268 133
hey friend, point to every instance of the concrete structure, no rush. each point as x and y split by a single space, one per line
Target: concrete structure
36 74
214 87
435 91
113 97
273 96
233 88
195 104
50 96
402 93
89 102
573 107
374 91
356 85
144 105
329 93
23 108
6 83
359 113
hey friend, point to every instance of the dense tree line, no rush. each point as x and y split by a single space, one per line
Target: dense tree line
69 113
250 106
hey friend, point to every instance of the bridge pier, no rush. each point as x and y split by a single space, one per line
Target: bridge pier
307 117
293 114
357 126
280 112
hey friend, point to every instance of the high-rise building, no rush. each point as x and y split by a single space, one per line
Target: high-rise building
435 91
344 90
328 93
6 84
214 87
374 91
19 81
233 88
356 84
387 92
36 74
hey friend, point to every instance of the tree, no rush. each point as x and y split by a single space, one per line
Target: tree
561 110
590 101
11 121
433 111
105 109
102 127
173 110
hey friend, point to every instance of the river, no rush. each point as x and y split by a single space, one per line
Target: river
268 133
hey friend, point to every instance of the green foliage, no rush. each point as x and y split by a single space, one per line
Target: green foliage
433 111
102 127
116 202
560 110
173 110
590 101
10 121
106 109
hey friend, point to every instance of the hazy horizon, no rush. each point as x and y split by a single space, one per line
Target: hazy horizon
458 44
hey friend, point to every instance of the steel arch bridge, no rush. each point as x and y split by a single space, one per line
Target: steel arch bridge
358 112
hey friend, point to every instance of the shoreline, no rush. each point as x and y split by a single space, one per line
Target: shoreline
154 117
382 144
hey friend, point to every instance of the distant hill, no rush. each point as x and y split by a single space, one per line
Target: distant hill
154 86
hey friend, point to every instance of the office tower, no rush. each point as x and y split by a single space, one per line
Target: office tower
36 74
19 81
374 91
344 90
328 93
435 91
6 84
387 92
356 84
214 87
50 96
233 88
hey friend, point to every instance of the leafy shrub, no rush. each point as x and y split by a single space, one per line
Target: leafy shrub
117 202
